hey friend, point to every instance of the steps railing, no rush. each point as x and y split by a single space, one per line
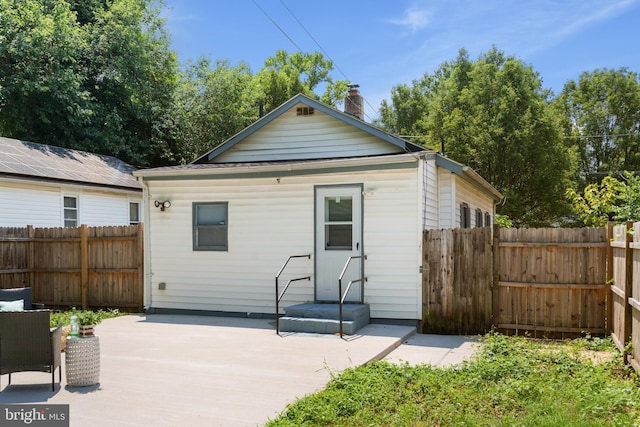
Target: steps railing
343 296
280 295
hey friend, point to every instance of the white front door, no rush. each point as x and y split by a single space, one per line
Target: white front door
338 236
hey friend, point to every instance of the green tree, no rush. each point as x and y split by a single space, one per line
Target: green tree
608 200
285 75
493 115
213 103
42 97
602 119
99 78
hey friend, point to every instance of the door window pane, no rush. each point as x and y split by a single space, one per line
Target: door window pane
338 236
338 208
338 228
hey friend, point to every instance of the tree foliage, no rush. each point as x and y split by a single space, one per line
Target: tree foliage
493 115
285 75
608 200
602 118
213 103
99 78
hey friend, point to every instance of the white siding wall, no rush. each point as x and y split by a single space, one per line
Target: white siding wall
447 195
23 204
269 221
474 197
431 205
317 136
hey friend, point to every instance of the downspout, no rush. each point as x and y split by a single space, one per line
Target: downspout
147 244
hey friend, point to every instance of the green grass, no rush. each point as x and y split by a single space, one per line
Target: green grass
510 382
63 317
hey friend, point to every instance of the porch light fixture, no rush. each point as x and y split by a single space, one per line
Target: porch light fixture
162 205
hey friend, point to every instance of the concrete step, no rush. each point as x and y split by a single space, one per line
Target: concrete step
325 318
316 326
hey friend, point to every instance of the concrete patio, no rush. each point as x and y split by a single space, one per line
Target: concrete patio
171 370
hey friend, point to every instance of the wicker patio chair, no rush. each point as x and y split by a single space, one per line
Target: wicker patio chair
27 343
24 294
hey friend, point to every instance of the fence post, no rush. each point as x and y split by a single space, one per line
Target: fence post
628 286
495 288
140 267
84 265
609 278
31 260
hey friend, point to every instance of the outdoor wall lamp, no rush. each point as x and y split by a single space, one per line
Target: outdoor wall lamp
162 205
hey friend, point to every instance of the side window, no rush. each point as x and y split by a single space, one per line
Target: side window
478 218
465 216
70 211
210 226
134 213
487 219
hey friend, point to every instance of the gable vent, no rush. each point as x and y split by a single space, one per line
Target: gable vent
304 111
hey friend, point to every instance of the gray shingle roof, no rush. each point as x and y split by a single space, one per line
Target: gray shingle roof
22 159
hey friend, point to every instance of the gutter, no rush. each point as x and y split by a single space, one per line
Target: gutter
292 167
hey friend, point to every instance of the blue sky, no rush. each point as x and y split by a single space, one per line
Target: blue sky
380 44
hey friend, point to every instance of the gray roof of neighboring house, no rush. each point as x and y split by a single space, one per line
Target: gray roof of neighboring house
30 160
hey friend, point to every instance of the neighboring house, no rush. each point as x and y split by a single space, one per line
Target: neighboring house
304 179
47 186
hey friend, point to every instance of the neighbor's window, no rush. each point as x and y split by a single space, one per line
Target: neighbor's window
210 226
487 219
465 216
70 211
478 217
134 213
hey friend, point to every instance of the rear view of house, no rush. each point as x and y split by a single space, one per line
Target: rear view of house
47 186
307 180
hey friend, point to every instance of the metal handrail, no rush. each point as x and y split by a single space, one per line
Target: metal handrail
344 296
279 296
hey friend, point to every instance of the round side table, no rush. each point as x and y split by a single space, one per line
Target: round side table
82 360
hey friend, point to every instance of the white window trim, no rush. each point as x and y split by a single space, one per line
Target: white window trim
139 202
78 218
221 248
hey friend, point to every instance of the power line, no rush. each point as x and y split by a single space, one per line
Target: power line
314 40
277 26
613 135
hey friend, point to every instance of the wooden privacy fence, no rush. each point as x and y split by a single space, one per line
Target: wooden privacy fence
88 267
624 303
550 282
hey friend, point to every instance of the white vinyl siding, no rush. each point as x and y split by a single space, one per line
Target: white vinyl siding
271 219
473 197
431 205
23 205
317 136
448 208
42 205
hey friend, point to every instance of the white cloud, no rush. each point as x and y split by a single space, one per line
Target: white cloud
414 19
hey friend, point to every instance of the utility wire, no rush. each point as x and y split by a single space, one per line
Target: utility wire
313 38
277 26
613 135
315 41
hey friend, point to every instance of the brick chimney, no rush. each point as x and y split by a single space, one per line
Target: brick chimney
354 103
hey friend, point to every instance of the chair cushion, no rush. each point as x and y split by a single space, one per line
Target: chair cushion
17 305
14 294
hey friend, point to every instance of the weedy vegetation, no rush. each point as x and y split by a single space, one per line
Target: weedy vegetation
511 381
